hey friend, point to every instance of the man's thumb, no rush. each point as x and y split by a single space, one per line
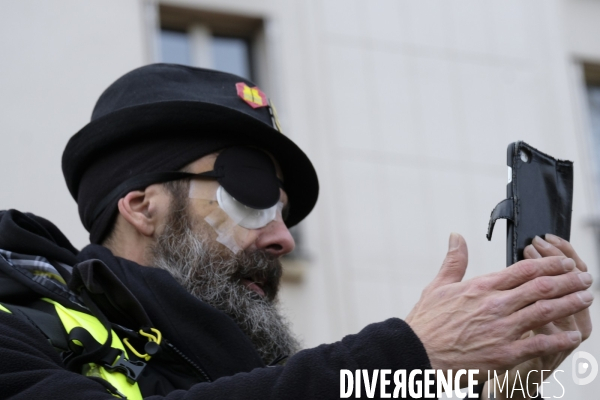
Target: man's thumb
455 264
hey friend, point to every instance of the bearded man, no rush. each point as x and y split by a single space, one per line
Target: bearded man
188 187
187 249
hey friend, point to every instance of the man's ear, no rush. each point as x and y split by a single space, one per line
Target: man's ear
141 209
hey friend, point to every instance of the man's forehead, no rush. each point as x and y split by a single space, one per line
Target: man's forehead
202 164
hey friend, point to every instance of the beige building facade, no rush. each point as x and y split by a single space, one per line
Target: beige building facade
405 107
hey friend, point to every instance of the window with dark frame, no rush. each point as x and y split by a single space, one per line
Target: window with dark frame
218 41
175 47
592 77
232 54
592 94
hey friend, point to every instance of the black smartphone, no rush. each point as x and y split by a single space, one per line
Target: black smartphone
539 199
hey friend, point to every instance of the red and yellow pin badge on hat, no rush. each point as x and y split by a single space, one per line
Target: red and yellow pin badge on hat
257 98
253 96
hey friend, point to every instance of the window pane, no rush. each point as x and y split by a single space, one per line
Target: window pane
175 47
231 55
594 107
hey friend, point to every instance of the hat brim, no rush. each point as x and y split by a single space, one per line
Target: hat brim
195 119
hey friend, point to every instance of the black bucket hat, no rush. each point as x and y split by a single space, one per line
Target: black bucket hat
161 117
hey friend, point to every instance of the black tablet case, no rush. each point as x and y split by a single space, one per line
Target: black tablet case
539 199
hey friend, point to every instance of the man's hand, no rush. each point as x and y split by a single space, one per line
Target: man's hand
581 321
483 323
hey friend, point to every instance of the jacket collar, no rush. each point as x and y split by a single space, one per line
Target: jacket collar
214 340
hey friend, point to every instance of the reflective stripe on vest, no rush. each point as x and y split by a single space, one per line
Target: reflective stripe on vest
72 319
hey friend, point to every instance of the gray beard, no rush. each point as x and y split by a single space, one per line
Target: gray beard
212 274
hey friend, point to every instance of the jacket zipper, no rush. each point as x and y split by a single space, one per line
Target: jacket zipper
189 361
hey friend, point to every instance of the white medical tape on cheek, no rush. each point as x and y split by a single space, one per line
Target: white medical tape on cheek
226 228
229 233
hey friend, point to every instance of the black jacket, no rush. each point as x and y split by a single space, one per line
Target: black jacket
31 368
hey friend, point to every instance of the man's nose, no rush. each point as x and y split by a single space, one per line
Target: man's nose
276 239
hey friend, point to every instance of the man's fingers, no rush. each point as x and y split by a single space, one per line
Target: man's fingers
546 287
527 270
545 311
584 323
544 248
531 252
566 248
566 324
455 264
542 345
555 246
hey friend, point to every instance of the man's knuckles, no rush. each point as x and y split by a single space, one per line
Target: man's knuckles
548 287
540 345
560 342
544 286
479 286
573 303
544 311
556 265
526 270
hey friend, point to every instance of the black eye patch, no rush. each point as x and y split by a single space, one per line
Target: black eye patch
249 176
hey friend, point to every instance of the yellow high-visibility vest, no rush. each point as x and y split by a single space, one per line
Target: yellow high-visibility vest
71 319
